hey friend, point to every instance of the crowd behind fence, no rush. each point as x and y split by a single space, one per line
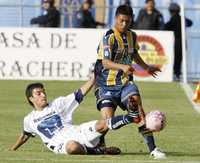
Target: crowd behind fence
20 16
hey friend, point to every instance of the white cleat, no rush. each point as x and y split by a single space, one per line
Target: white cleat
157 154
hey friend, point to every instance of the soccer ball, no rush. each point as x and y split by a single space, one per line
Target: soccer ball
155 120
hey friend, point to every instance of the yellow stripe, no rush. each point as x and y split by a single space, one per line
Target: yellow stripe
130 40
111 77
111 42
137 46
101 47
100 52
124 79
119 39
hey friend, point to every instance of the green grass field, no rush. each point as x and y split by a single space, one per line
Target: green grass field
180 139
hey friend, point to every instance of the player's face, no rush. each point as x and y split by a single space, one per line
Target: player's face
39 98
122 22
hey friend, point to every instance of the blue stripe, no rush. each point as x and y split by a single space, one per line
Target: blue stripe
118 77
114 50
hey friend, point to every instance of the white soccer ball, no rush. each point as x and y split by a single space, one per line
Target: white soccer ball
155 120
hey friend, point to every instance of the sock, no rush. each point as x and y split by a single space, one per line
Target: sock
102 140
94 151
148 138
117 122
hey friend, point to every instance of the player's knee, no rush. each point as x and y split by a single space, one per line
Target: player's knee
107 112
73 147
134 101
101 126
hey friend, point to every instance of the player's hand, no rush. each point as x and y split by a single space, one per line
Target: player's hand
127 69
152 70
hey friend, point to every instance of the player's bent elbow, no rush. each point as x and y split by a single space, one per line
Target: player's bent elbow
105 63
73 147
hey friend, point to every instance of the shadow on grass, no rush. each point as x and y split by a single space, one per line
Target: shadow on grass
135 153
186 154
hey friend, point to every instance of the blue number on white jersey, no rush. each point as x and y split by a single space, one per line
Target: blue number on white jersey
50 125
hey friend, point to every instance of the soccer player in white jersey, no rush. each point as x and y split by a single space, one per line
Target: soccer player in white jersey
52 122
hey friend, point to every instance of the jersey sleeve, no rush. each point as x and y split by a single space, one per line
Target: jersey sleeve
27 130
137 47
135 43
69 103
105 47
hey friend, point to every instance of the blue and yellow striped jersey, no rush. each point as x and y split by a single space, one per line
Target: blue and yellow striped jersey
119 48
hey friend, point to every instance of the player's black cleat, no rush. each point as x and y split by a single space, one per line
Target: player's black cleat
111 150
101 145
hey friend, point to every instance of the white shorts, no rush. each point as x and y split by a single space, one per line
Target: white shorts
85 134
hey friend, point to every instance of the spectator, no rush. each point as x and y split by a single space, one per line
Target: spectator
128 3
149 17
174 24
84 16
51 16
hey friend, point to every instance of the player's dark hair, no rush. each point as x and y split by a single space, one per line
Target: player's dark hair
124 10
29 90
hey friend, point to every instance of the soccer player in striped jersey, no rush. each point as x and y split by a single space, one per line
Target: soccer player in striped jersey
114 75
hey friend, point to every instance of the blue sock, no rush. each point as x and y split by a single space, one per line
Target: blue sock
122 120
148 138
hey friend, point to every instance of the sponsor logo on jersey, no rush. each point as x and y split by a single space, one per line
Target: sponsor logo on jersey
43 117
106 53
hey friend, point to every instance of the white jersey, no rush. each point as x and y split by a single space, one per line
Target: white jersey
53 118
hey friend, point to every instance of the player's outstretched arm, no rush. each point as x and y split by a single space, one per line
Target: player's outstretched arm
20 141
85 88
150 69
108 64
